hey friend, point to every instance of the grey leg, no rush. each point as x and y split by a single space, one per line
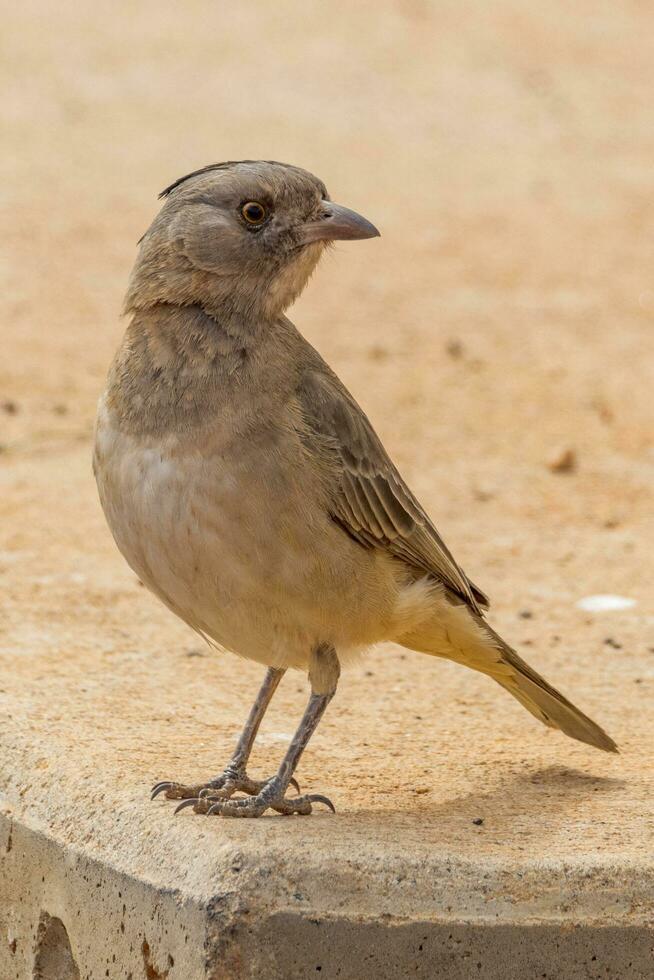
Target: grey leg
324 672
234 778
244 745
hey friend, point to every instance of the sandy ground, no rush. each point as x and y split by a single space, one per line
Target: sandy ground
505 151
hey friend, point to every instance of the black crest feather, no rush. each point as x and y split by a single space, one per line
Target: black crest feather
217 166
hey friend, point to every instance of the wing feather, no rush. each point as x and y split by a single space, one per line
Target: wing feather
370 499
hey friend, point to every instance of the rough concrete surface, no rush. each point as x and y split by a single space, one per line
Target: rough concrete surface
500 337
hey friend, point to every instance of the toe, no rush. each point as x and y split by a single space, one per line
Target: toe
250 807
176 791
222 792
199 804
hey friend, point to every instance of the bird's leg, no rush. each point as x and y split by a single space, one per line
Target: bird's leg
324 672
234 778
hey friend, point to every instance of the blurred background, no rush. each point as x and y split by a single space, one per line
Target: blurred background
499 334
505 150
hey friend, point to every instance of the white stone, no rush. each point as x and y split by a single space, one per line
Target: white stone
605 603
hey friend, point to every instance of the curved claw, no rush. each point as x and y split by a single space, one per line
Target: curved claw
316 798
294 783
185 803
159 788
214 808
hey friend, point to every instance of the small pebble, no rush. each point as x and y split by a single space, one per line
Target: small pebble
526 614
605 603
378 353
563 461
454 348
9 406
604 411
610 642
478 821
483 492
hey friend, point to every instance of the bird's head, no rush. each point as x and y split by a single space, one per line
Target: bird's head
240 239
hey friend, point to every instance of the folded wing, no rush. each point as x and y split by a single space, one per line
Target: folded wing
371 501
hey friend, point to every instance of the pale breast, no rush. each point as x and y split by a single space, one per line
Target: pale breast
235 543
235 536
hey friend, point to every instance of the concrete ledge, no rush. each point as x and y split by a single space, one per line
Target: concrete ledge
102 693
65 917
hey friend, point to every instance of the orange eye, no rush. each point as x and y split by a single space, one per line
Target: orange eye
253 212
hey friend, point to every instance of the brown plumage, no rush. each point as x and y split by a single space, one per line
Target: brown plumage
247 488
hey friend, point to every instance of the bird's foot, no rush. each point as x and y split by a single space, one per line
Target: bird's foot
270 797
232 780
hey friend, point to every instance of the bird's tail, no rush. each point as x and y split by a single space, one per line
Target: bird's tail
545 702
458 634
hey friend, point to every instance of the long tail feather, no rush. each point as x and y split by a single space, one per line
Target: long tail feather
455 632
546 703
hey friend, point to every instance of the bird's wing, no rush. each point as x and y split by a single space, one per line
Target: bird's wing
371 501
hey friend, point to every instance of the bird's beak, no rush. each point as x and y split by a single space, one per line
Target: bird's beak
337 224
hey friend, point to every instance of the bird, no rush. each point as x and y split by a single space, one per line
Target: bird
248 490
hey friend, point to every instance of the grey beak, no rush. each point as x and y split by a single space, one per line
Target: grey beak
337 224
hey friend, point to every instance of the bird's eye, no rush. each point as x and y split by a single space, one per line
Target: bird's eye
253 212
